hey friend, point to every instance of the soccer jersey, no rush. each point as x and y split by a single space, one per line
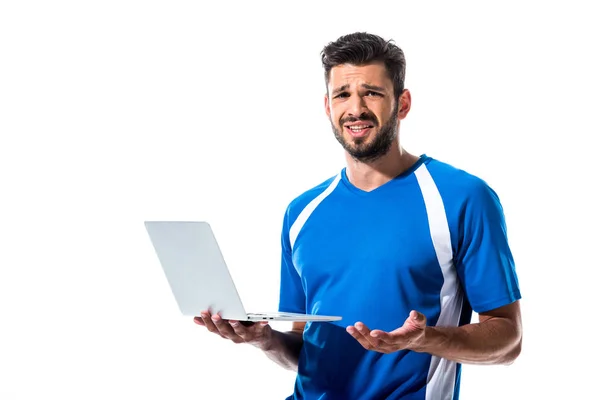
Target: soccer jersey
433 239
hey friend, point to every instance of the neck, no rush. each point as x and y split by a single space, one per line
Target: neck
370 175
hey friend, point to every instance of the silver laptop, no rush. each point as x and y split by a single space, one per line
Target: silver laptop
198 275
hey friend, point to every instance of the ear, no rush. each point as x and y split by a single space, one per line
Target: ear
404 102
327 110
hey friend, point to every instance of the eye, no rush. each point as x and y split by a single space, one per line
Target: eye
372 93
342 95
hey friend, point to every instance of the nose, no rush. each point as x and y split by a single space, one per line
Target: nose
356 106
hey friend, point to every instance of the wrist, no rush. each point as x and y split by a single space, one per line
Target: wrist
265 342
423 342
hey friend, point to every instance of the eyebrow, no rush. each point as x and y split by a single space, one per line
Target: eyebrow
364 85
373 87
340 89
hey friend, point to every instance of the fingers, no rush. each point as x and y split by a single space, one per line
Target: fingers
248 332
206 321
375 340
409 336
229 329
418 320
239 330
389 338
216 325
361 333
225 329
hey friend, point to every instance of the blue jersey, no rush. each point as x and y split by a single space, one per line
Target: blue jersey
432 239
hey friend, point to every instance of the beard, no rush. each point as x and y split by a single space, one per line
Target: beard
365 150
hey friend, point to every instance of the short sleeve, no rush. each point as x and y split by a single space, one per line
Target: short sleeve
291 292
484 261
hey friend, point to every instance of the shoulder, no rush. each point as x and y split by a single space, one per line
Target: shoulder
458 185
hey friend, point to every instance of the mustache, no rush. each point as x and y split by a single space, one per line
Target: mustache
362 117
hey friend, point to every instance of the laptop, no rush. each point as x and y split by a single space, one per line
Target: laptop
199 277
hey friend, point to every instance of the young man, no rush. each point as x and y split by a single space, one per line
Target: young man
404 247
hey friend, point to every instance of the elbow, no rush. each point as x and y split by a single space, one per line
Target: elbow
514 345
513 353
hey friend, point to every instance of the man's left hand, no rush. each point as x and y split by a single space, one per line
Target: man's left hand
409 336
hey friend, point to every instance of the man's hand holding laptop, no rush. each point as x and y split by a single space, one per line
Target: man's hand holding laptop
281 347
257 334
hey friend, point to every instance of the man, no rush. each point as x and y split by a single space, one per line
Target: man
403 247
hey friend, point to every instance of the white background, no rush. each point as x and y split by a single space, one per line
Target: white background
113 112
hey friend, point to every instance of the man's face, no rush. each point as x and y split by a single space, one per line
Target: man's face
362 109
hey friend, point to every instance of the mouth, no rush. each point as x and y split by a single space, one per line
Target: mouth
358 129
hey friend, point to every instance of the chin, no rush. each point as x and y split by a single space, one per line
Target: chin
359 141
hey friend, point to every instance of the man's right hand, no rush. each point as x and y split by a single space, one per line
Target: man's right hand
258 334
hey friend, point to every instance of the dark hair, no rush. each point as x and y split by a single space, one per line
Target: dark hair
363 48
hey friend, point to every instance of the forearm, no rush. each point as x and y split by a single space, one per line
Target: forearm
284 348
495 341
